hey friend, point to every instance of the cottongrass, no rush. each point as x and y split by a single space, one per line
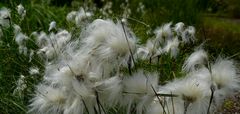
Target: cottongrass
5 17
21 11
87 75
196 60
33 70
225 78
88 78
52 26
21 86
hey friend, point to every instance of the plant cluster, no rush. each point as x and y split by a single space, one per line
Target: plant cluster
99 71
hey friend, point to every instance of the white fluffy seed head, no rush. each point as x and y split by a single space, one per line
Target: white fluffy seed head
81 15
21 10
225 76
107 40
164 32
17 29
42 39
179 28
33 70
48 100
52 25
5 16
140 83
172 47
71 16
188 34
197 59
139 88
21 38
110 90
193 90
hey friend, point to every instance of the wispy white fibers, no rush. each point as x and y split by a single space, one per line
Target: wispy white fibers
164 32
52 26
87 75
84 68
33 70
21 86
141 8
42 39
71 16
21 11
78 17
196 60
31 55
106 10
139 89
81 16
189 34
17 29
193 95
21 39
148 51
86 93
179 28
48 100
107 40
5 16
110 91
196 94
172 47
225 77
51 45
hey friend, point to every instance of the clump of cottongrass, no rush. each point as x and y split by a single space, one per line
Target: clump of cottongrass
196 94
51 45
164 32
71 16
193 96
52 26
5 17
224 76
78 17
21 41
21 86
139 89
42 39
48 100
110 91
81 16
106 10
86 75
33 70
31 55
188 34
141 8
21 11
148 51
16 29
172 47
109 41
179 28
196 60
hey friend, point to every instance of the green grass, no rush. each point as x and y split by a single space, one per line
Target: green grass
223 34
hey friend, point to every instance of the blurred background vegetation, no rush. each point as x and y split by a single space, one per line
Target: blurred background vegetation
216 21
